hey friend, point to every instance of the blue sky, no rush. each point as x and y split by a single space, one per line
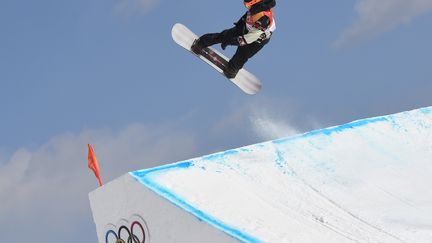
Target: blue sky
108 73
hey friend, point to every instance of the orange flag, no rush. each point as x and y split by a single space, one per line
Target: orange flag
93 163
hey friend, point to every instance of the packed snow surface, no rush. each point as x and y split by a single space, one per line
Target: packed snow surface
366 181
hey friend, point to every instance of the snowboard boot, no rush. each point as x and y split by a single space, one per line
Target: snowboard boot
230 72
197 47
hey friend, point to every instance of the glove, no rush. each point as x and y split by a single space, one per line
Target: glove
224 45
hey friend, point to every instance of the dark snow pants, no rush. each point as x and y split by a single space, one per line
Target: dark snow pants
242 54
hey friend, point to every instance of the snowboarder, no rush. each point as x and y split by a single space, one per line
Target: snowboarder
251 33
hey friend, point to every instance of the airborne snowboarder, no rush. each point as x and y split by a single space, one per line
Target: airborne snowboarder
251 33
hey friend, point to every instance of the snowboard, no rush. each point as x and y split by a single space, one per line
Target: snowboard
245 80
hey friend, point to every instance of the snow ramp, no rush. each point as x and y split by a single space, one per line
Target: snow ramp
365 181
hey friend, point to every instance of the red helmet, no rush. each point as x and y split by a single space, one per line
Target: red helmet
249 3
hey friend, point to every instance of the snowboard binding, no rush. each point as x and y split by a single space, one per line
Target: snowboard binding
196 47
230 72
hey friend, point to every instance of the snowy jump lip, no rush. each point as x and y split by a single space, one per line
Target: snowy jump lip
364 181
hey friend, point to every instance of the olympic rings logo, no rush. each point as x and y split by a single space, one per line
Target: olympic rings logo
135 232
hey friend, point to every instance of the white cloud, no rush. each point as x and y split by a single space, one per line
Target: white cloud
133 7
378 16
46 190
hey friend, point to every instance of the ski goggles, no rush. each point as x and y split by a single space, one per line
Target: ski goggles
249 3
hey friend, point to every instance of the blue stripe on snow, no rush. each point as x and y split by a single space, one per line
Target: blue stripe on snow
181 165
426 110
220 155
144 178
331 130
